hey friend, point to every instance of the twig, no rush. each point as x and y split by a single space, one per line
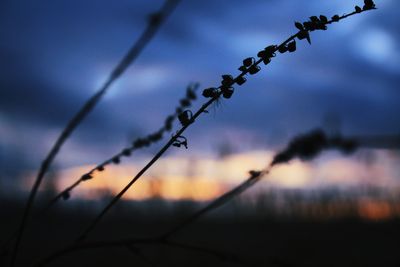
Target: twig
296 148
249 66
154 24
136 144
255 176
305 146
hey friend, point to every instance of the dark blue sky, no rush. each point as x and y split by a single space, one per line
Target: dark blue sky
55 54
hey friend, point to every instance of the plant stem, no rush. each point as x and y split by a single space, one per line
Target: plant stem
132 54
171 141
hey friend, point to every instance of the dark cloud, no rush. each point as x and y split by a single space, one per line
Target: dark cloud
54 54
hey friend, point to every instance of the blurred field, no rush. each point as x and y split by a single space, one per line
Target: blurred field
250 233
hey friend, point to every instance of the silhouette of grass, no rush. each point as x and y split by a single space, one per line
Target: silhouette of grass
154 24
250 66
306 147
138 143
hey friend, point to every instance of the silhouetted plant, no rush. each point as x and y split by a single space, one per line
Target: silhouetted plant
138 143
154 23
305 147
250 66
180 141
310 145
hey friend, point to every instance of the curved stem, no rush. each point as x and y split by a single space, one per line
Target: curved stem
218 202
192 88
171 141
132 54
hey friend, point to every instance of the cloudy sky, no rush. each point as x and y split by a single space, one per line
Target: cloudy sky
55 54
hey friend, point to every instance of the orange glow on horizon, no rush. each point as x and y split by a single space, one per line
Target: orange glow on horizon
375 210
203 179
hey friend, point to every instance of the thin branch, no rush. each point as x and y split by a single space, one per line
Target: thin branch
305 146
154 24
299 147
226 91
255 176
137 144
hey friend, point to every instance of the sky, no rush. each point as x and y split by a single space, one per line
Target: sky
56 54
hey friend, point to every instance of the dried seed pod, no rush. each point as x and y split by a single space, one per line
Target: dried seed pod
262 54
227 80
266 60
100 168
335 18
138 143
190 94
168 122
299 26
86 177
254 174
270 50
292 46
185 117
178 110
210 92
254 69
242 68
368 4
227 92
267 53
156 136
168 127
323 18
240 80
304 35
282 49
322 26
309 26
126 152
146 142
184 102
116 160
248 61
